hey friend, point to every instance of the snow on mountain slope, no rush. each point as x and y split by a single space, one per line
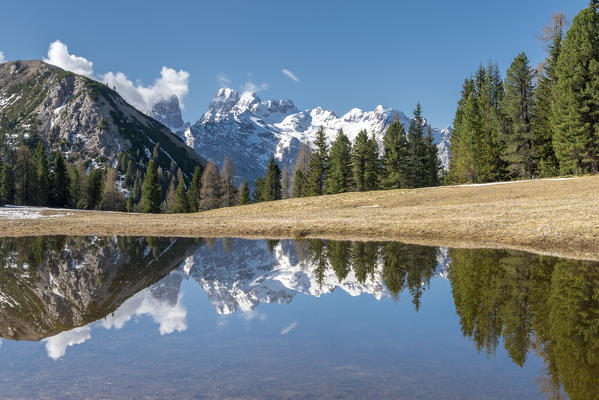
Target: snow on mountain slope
252 130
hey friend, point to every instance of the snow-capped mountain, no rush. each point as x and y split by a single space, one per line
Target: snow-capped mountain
252 130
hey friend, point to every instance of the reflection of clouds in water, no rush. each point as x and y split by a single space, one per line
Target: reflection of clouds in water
56 346
170 318
252 314
289 328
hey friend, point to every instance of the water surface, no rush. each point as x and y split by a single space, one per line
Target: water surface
127 317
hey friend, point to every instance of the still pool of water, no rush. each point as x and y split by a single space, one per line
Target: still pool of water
145 318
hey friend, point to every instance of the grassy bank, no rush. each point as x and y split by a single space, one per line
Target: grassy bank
554 216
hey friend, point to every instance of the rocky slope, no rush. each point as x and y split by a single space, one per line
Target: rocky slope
82 117
252 130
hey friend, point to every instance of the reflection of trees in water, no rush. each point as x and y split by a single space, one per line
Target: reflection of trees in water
404 266
534 302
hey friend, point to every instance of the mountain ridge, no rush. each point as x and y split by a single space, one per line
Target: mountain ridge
251 130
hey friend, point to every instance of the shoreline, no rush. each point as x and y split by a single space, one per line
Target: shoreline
555 217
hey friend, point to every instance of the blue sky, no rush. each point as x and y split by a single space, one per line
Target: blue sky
344 54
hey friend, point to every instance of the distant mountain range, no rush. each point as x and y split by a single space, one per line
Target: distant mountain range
252 130
87 120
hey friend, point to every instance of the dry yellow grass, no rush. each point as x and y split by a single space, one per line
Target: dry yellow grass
554 216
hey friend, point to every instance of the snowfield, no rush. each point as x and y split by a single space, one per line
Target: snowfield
19 212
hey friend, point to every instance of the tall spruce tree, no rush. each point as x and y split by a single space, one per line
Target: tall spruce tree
151 195
259 190
317 169
432 163
272 182
194 192
553 35
575 111
520 153
416 149
372 169
395 148
244 196
181 204
7 185
42 174
339 176
359 161
95 186
60 182
465 144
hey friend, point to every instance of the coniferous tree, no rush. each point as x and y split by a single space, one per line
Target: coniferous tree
544 96
228 186
285 183
259 190
7 185
432 164
77 185
42 174
25 176
359 161
372 169
520 153
317 169
112 198
575 111
339 175
416 149
151 192
194 192
95 186
300 170
181 204
272 182
60 182
395 169
465 144
244 197
210 193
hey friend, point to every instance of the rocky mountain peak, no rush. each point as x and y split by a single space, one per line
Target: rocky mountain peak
221 105
168 113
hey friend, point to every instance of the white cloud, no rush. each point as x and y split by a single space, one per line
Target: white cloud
289 328
2 57
171 83
223 80
56 346
58 54
169 318
250 86
290 75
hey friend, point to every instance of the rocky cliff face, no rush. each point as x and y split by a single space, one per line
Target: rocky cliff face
252 130
83 118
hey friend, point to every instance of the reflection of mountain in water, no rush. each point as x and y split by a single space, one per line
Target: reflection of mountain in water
240 274
52 284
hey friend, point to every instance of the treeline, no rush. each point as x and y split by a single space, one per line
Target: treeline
408 160
31 176
533 123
